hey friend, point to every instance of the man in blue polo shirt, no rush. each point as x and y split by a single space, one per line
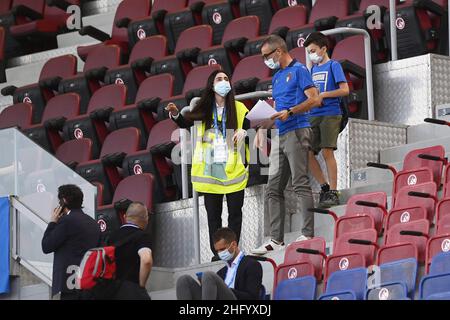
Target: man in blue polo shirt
329 78
294 94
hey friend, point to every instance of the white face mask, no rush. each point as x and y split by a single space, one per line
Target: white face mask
222 88
272 64
315 58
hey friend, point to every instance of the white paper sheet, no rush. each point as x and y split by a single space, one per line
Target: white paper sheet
261 112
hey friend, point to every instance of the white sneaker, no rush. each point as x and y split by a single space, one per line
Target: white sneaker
268 247
302 238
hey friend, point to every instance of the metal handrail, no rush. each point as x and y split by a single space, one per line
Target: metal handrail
368 59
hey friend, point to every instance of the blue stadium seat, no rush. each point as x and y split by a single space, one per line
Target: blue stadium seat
401 271
439 296
352 281
434 286
388 291
303 288
440 264
339 296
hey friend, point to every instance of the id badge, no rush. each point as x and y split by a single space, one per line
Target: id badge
220 151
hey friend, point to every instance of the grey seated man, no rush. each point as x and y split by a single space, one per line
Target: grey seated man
240 279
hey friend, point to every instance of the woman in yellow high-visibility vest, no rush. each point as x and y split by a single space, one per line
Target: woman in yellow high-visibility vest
221 154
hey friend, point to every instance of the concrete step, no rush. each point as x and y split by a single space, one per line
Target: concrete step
102 21
397 154
426 131
372 176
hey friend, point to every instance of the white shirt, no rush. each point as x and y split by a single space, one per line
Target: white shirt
232 270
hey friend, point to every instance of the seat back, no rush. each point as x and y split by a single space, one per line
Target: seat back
160 86
122 140
317 243
5 6
354 280
113 95
390 291
403 271
247 27
163 132
353 223
195 37
438 256
136 188
356 55
63 66
291 17
440 264
376 197
78 150
412 161
446 182
404 215
132 9
434 284
293 271
19 114
36 5
342 246
103 56
403 200
299 54
303 288
264 9
250 69
395 252
325 9
154 47
64 105
341 262
197 77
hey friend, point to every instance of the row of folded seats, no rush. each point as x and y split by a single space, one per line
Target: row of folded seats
398 241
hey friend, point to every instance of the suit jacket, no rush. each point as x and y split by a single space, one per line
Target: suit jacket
248 282
69 239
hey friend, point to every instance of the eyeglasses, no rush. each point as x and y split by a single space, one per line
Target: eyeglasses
265 56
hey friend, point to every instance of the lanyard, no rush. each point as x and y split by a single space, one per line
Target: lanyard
216 123
235 270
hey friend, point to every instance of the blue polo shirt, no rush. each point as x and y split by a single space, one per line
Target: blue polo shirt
327 77
288 90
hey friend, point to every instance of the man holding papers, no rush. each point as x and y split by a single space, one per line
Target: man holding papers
294 94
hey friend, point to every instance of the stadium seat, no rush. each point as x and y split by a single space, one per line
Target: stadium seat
436 246
127 11
105 170
397 251
435 287
443 216
193 87
189 44
248 72
264 9
346 284
92 125
139 65
99 61
236 34
400 271
415 232
388 291
324 15
53 71
18 115
341 262
135 188
155 160
424 194
142 114
367 244
284 19
440 264
415 31
150 25
348 224
74 152
403 215
303 288
446 193
58 110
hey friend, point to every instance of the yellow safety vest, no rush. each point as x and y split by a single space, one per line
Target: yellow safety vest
219 178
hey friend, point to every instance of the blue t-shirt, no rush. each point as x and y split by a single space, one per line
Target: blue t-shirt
288 90
327 78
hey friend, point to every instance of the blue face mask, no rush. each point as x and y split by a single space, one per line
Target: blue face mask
225 255
222 88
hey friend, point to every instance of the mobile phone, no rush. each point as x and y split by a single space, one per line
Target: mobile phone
62 204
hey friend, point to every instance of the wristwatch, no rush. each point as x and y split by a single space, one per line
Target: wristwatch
290 112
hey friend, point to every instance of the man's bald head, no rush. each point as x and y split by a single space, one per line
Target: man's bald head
137 213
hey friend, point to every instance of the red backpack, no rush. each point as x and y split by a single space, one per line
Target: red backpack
99 264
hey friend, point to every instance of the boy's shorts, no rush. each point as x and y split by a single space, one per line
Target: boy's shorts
325 132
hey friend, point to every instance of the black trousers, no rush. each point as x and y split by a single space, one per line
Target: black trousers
213 204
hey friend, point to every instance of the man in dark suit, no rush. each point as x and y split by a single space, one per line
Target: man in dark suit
69 235
240 279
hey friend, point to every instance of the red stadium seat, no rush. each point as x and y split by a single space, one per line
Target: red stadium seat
135 188
99 61
415 232
142 114
264 9
155 160
58 110
74 152
283 20
248 72
193 87
53 71
424 194
341 262
395 252
105 170
404 215
368 250
127 11
17 115
190 43
324 15
446 192
436 245
443 216
92 125
236 34
136 71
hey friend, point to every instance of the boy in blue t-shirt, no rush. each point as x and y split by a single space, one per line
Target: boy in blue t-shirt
325 120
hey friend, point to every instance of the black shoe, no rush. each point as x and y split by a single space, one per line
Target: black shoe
330 199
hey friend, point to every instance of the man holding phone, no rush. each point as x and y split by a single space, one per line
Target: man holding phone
69 235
